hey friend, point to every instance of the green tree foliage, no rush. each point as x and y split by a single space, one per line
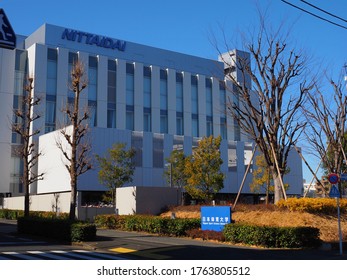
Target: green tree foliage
175 173
117 168
202 168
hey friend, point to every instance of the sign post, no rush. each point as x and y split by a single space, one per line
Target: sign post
334 192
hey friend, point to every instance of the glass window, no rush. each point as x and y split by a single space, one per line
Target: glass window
73 57
147 92
129 121
195 126
112 82
92 112
163 90
129 84
50 116
179 125
146 119
92 78
163 122
158 151
137 144
111 118
194 89
208 97
179 92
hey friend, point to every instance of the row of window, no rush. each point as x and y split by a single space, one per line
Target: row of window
51 92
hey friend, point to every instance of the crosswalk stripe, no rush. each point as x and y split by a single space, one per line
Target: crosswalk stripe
57 255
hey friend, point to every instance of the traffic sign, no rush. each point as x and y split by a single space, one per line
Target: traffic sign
334 191
7 35
333 178
343 177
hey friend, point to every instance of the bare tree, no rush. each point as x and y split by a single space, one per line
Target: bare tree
268 96
76 149
326 115
23 125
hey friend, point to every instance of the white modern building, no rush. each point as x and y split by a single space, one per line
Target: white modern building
154 100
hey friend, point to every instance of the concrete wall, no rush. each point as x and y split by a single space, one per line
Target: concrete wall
145 200
43 202
49 202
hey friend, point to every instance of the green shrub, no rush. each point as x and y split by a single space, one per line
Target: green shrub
10 214
272 237
150 224
83 232
60 229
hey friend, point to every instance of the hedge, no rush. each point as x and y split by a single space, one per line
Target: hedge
10 214
326 206
150 224
61 229
272 237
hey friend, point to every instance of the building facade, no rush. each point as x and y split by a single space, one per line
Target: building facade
152 99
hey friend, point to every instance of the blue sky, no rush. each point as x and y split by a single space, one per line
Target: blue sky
185 25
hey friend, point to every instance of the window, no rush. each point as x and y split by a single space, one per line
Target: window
129 119
111 93
194 89
163 90
92 78
195 106
163 121
50 114
51 89
73 57
158 151
130 84
179 123
111 118
209 119
179 92
195 126
147 119
137 144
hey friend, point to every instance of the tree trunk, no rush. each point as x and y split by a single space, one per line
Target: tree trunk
72 214
278 193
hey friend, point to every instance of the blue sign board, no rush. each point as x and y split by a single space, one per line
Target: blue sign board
334 191
215 217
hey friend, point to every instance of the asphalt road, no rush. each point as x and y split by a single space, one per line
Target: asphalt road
133 245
